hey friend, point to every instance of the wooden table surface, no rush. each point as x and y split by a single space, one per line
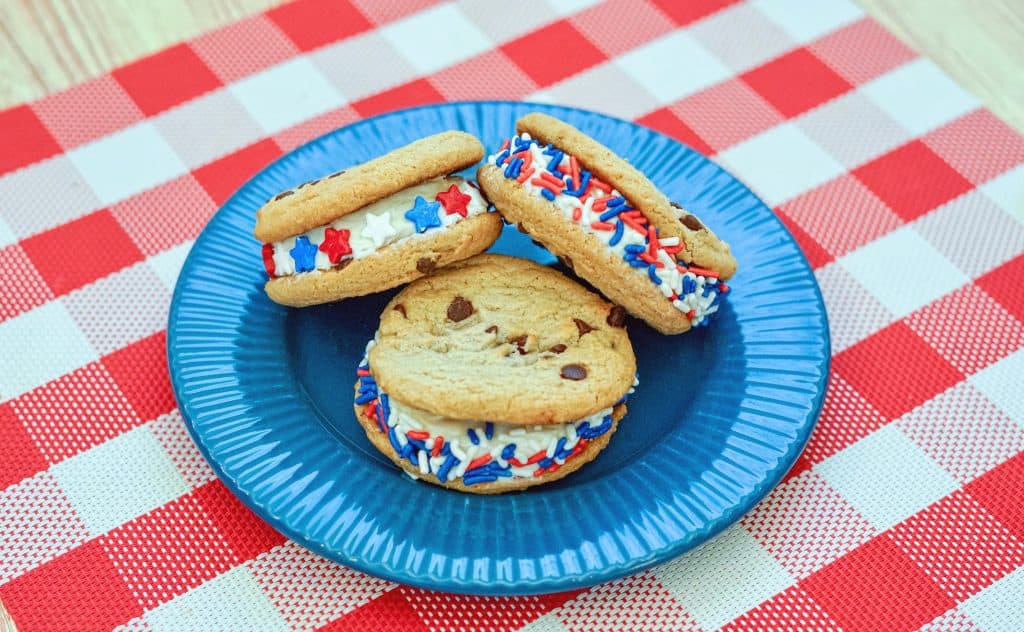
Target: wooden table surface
46 45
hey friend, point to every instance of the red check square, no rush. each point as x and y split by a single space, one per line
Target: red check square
1005 285
26 139
892 593
796 82
683 13
75 412
553 53
666 122
912 180
416 92
791 609
23 287
156 232
458 611
618 26
102 102
314 23
223 177
491 75
816 255
895 370
959 544
862 51
247 534
19 456
727 113
958 142
263 42
81 251
846 417
140 370
998 491
168 551
80 590
167 78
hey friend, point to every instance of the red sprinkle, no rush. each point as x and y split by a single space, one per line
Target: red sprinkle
371 409
602 226
674 295
438 443
523 175
690 314
601 185
652 238
723 288
674 250
516 462
577 213
528 159
479 461
554 188
362 372
552 179
419 435
703 272
574 170
504 146
647 258
599 204
536 457
538 471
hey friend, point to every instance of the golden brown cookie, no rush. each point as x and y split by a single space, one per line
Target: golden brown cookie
377 225
609 223
505 340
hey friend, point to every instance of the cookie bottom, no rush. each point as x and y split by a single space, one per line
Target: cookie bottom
593 448
389 267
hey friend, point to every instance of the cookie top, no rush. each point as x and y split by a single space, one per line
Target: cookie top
503 339
703 248
321 201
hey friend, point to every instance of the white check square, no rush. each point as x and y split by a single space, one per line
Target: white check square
231 601
1000 607
435 38
286 94
339 62
805 21
886 477
1003 384
672 67
1007 191
119 480
167 264
43 195
903 271
781 163
7 236
919 96
587 90
724 578
208 127
127 162
40 345
568 7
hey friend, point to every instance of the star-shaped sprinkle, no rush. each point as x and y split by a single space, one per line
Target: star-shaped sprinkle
378 228
304 254
423 214
335 244
454 200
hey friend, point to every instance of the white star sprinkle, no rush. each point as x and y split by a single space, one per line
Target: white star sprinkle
378 228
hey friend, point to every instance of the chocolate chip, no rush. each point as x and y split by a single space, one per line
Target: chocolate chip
460 309
584 327
341 265
574 372
559 348
283 194
617 316
520 341
520 228
401 308
425 265
566 261
336 174
674 205
691 222
309 184
493 329
521 350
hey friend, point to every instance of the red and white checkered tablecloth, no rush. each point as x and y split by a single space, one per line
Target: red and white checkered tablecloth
906 196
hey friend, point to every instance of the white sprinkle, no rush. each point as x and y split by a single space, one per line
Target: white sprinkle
411 475
517 432
457 451
423 463
669 241
551 447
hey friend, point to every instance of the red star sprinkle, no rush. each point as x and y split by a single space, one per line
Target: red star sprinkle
454 201
335 244
268 259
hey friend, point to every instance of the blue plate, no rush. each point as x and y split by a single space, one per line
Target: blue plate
720 414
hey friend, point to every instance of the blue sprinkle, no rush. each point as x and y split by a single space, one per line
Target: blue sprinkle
304 254
472 436
442 472
522 143
546 462
366 398
446 449
617 235
637 263
617 201
556 158
479 478
548 194
393 438
502 157
488 430
689 285
509 451
413 458
560 445
582 428
583 184
366 388
652 272
635 248
406 450
611 212
417 442
385 406
513 168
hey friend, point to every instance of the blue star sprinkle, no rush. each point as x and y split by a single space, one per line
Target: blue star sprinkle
424 214
304 254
